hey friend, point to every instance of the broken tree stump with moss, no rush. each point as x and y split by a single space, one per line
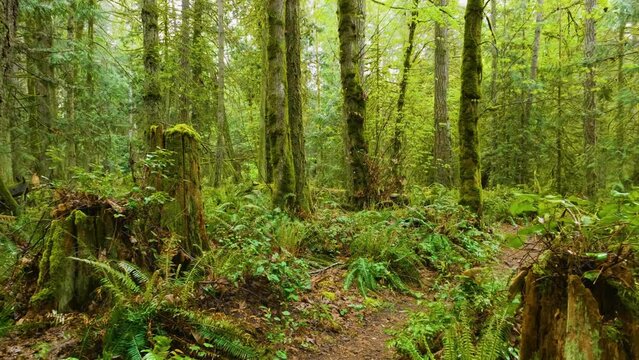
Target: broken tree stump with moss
181 180
63 283
577 308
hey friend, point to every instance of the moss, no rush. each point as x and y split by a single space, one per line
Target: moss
184 129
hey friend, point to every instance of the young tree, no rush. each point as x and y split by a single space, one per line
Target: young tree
396 149
277 109
442 148
351 17
295 115
221 111
185 63
469 166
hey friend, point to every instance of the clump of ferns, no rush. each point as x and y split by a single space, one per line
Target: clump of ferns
146 306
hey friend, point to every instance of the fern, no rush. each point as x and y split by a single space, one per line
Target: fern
120 282
367 275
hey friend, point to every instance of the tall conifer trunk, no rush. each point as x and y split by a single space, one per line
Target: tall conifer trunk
295 115
442 149
277 109
590 106
351 36
151 95
469 167
9 15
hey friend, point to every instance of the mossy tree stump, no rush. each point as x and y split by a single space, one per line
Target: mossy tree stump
66 284
568 316
181 180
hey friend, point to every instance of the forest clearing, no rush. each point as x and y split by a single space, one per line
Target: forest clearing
343 179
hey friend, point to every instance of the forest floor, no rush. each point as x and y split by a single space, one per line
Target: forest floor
339 323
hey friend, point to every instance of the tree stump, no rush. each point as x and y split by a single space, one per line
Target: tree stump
181 180
568 316
66 284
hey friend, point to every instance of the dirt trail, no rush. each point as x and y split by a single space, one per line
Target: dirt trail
366 340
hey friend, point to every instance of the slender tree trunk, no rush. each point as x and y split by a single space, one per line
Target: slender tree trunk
398 178
44 87
590 107
197 70
185 63
559 131
221 111
621 115
9 14
442 149
71 76
151 95
469 167
277 109
295 115
265 138
351 36
91 49
525 142
494 53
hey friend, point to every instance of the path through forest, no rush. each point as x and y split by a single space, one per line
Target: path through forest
368 338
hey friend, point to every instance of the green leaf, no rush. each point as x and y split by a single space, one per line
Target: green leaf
598 256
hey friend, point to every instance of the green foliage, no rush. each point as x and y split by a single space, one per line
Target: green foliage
367 275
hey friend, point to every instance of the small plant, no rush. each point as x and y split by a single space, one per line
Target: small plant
367 275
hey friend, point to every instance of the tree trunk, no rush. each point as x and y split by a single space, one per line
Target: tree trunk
590 107
469 167
185 63
524 151
197 44
151 94
6 200
398 179
295 115
43 86
277 109
620 140
494 53
351 36
221 111
442 149
70 83
9 14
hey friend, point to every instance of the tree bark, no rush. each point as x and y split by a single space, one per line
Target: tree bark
151 96
7 200
277 109
442 149
351 36
590 106
398 179
9 14
43 86
221 111
185 63
620 140
295 114
469 167
70 82
523 162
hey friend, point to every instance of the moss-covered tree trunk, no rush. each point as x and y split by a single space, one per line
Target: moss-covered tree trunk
295 114
397 160
7 200
151 56
9 16
351 37
277 109
442 148
469 166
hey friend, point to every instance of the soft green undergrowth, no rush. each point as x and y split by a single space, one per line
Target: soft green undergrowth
158 313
